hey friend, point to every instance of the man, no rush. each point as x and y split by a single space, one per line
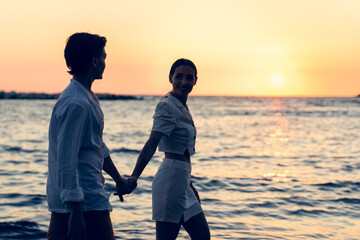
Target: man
77 154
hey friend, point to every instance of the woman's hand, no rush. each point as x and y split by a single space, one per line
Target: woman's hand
132 182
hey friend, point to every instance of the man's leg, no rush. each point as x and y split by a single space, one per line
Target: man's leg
98 225
58 226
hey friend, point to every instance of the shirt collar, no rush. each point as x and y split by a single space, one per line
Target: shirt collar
90 94
175 100
179 105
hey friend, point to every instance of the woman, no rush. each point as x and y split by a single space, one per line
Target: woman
176 203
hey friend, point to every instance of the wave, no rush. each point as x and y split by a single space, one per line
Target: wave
303 212
16 162
125 150
339 184
12 199
21 230
20 149
266 204
211 158
348 200
299 201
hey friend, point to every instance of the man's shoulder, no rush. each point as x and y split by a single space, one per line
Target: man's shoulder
73 98
74 93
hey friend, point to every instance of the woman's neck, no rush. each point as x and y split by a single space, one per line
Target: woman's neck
182 99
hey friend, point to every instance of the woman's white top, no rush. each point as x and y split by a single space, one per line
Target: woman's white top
76 152
174 120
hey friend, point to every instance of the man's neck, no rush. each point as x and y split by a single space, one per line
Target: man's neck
85 80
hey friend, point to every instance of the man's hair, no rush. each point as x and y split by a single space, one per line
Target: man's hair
80 50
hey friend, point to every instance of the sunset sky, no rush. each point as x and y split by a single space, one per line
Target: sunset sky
240 47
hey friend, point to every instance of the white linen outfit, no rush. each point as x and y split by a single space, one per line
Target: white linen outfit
172 196
76 152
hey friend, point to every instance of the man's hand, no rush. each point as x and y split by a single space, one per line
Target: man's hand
76 225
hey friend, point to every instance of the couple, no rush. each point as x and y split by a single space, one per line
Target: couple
76 197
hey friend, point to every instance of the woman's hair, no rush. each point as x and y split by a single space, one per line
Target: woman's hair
181 62
80 50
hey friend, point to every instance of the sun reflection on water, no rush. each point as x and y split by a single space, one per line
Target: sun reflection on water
284 176
276 134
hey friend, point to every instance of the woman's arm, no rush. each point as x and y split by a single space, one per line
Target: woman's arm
146 154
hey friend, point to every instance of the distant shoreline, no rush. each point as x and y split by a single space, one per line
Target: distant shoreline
47 96
108 96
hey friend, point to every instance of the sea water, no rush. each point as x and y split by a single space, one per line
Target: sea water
265 168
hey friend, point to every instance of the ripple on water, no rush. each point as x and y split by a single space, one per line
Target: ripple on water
22 200
125 150
21 230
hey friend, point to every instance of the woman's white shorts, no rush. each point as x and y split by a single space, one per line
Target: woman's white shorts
172 196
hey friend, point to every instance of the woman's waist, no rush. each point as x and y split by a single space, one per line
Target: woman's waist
173 148
177 145
182 167
181 157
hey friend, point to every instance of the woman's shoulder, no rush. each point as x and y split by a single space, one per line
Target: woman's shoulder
165 108
165 103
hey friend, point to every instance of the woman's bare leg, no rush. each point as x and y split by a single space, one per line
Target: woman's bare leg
197 227
166 230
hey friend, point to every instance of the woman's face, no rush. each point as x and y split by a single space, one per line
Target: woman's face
183 80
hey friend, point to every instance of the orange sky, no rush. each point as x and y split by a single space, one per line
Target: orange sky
252 48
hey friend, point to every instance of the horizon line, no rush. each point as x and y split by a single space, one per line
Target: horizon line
199 95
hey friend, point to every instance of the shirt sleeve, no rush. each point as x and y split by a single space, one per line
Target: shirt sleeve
164 119
105 150
71 127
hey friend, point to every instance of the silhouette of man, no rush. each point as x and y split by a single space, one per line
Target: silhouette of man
76 197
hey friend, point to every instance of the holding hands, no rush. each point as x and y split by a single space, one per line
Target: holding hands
133 181
125 186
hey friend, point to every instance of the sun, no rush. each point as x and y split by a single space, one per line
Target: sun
277 80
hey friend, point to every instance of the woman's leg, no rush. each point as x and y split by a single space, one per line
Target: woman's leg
197 227
166 230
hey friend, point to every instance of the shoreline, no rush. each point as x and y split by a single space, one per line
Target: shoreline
107 96
46 96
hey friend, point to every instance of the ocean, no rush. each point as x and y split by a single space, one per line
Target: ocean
265 168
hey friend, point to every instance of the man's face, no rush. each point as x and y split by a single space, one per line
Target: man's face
99 65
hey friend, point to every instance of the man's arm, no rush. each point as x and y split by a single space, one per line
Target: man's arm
122 185
70 127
